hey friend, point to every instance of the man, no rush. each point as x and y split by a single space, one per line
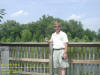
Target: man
60 46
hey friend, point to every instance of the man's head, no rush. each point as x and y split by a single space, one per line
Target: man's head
57 26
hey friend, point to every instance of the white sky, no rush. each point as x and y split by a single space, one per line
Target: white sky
24 11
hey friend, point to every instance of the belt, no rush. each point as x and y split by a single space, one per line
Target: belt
58 49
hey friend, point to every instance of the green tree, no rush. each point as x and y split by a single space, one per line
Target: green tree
2 13
88 33
85 38
44 27
10 28
26 35
76 29
18 39
3 39
76 39
69 36
10 39
98 35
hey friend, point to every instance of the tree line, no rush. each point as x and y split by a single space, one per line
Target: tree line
12 31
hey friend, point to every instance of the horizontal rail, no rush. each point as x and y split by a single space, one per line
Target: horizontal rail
42 44
85 61
47 60
84 44
29 59
31 73
24 44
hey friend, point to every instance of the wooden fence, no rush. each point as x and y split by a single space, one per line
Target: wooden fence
36 59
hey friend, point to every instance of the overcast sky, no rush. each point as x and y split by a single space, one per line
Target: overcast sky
25 11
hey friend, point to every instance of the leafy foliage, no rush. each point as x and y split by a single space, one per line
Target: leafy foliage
2 13
12 31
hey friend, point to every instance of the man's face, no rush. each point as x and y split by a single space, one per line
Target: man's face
57 27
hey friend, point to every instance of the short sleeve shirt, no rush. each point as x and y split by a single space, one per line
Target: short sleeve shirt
59 39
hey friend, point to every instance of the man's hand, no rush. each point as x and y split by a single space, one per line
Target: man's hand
65 56
46 39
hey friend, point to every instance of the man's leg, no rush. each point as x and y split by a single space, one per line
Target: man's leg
59 69
62 71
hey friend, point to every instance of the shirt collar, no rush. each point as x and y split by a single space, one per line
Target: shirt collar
56 33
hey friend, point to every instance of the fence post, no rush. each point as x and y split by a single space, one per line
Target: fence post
51 59
4 60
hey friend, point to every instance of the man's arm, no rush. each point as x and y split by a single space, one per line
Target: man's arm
66 47
65 50
48 41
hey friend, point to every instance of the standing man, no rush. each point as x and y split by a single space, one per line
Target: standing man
60 46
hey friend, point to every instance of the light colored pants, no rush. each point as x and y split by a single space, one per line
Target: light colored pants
58 61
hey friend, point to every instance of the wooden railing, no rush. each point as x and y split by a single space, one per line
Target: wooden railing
84 59
36 58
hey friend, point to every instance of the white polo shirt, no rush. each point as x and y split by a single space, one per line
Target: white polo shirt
59 40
